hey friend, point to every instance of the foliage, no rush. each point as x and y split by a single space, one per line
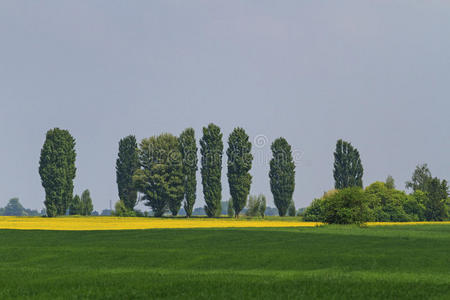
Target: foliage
420 178
188 149
292 212
414 205
256 206
387 203
348 206
315 212
437 194
211 149
121 210
239 164
252 206
230 210
57 170
348 169
75 207
390 183
126 165
161 176
14 208
262 205
86 203
282 175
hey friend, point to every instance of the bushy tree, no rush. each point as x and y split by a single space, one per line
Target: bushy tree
348 169
315 211
188 148
437 194
57 170
420 178
239 164
414 205
126 165
86 203
75 207
14 208
349 205
211 149
390 183
387 204
120 210
161 176
282 175
252 206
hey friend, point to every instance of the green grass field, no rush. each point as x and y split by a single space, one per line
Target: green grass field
330 262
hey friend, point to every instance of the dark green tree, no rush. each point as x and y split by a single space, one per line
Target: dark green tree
211 149
239 164
348 169
57 170
161 177
86 203
188 148
75 206
420 178
282 175
230 210
127 163
437 194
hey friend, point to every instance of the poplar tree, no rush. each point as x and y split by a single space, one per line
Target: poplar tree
348 170
57 170
127 163
211 149
282 175
188 148
239 164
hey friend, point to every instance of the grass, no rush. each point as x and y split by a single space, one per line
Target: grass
328 262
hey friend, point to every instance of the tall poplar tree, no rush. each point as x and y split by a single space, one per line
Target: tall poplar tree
348 170
211 149
161 177
57 170
127 163
188 148
282 175
239 164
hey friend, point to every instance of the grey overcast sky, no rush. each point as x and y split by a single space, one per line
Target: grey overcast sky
376 73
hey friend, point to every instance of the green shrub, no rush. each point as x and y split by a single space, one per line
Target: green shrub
348 206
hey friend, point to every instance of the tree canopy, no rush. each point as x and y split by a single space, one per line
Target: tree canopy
348 169
57 170
282 175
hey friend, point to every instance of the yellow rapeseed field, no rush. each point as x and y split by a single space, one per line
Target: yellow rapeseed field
117 223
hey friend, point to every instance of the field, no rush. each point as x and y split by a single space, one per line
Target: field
327 262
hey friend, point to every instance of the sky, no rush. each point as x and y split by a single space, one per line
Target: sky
375 73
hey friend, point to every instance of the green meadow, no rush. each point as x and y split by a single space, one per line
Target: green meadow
329 262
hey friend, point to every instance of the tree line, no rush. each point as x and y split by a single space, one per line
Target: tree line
380 201
161 172
162 169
